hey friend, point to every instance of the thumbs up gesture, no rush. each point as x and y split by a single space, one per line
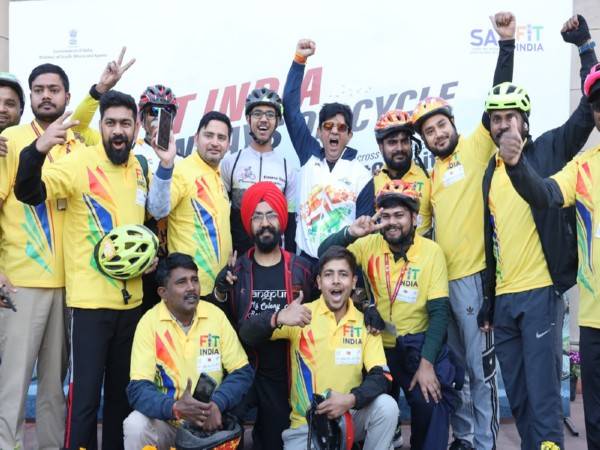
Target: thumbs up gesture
296 314
510 144
56 133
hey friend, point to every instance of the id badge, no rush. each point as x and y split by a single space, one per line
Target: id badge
453 175
140 197
407 295
348 356
208 363
61 204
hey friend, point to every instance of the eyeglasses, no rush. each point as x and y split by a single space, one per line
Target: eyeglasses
257 114
154 110
341 127
259 217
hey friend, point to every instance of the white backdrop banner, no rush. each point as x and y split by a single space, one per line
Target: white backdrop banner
373 56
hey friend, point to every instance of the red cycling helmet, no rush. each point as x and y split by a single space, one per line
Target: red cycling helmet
158 95
590 88
393 121
401 190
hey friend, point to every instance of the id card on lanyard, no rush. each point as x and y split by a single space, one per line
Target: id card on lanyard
390 327
61 203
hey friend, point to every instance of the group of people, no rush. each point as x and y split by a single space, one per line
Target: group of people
258 281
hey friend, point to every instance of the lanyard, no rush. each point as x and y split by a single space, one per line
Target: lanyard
398 283
38 134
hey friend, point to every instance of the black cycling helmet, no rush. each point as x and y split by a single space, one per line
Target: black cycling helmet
189 437
264 96
326 434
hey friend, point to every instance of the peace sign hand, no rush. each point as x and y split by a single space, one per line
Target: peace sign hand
55 134
113 72
365 225
225 279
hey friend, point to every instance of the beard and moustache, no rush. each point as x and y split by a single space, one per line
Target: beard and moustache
445 152
115 156
267 243
51 116
523 132
400 166
403 242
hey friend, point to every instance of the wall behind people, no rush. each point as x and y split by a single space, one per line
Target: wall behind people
3 35
373 58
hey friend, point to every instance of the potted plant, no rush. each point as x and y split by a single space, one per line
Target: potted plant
575 372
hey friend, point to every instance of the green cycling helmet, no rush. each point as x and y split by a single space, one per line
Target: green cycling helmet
126 252
508 96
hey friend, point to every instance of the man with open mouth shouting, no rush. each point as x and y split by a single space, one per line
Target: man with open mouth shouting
330 350
330 177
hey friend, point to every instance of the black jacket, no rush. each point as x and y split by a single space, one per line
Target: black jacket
298 275
556 227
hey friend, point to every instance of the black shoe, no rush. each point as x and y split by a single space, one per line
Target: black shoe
461 444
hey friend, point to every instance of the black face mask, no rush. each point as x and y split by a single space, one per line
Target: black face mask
268 243
117 157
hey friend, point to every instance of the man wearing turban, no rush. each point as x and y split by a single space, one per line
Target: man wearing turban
260 283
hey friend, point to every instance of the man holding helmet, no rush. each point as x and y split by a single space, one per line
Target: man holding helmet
102 187
166 366
260 162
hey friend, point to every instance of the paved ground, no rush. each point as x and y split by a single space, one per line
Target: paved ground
508 438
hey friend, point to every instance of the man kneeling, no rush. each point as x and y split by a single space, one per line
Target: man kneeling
174 343
329 347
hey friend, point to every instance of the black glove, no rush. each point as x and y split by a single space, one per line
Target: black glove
373 318
223 286
579 36
486 313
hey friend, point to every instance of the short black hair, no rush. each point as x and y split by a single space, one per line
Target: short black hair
114 98
215 115
170 263
337 252
393 201
49 68
330 110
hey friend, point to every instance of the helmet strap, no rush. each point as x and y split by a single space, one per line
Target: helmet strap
258 141
125 292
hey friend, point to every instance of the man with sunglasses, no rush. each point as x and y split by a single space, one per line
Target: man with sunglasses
258 284
575 185
330 177
260 162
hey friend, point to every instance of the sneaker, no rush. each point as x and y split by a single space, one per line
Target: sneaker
548 445
398 441
461 444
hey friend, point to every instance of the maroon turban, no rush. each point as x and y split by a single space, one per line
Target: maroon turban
265 191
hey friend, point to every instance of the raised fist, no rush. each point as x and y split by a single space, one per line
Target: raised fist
306 47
